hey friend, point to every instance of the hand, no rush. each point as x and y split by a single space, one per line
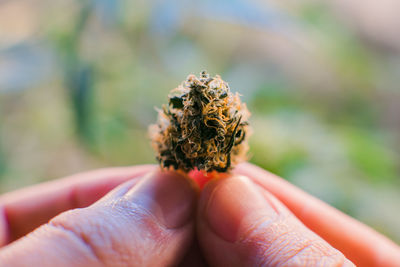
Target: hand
147 221
263 220
128 227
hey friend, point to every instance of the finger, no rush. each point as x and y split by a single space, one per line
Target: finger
358 242
193 257
3 228
240 226
28 208
150 224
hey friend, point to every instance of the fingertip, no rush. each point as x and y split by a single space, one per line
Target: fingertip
186 177
230 205
169 195
238 218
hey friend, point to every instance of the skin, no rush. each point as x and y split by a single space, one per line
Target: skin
140 216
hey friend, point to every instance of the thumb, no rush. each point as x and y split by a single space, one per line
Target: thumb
149 224
240 224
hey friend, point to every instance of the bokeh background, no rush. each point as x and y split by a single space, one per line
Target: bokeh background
79 81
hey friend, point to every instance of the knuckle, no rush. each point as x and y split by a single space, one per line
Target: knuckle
117 233
264 238
311 253
96 236
279 242
74 239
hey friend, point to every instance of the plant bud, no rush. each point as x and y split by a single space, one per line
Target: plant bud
204 126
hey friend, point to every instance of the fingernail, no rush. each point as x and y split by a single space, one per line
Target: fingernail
169 196
233 205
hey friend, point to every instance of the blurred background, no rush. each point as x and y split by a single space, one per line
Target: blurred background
79 81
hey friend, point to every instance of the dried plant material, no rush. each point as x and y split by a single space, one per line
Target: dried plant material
204 126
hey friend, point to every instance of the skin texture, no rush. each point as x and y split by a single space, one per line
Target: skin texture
358 242
159 218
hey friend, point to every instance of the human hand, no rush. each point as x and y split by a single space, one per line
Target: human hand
263 220
108 232
147 221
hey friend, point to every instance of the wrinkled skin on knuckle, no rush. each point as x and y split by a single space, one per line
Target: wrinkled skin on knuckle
93 232
281 242
118 234
311 253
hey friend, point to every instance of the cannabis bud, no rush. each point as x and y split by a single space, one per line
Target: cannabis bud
204 126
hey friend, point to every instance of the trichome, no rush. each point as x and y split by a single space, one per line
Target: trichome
204 126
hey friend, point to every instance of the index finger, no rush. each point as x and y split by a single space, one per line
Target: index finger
356 241
23 210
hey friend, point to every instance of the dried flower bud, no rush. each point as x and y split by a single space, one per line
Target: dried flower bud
204 126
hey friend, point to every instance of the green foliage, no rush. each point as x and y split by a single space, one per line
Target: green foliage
318 93
371 156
